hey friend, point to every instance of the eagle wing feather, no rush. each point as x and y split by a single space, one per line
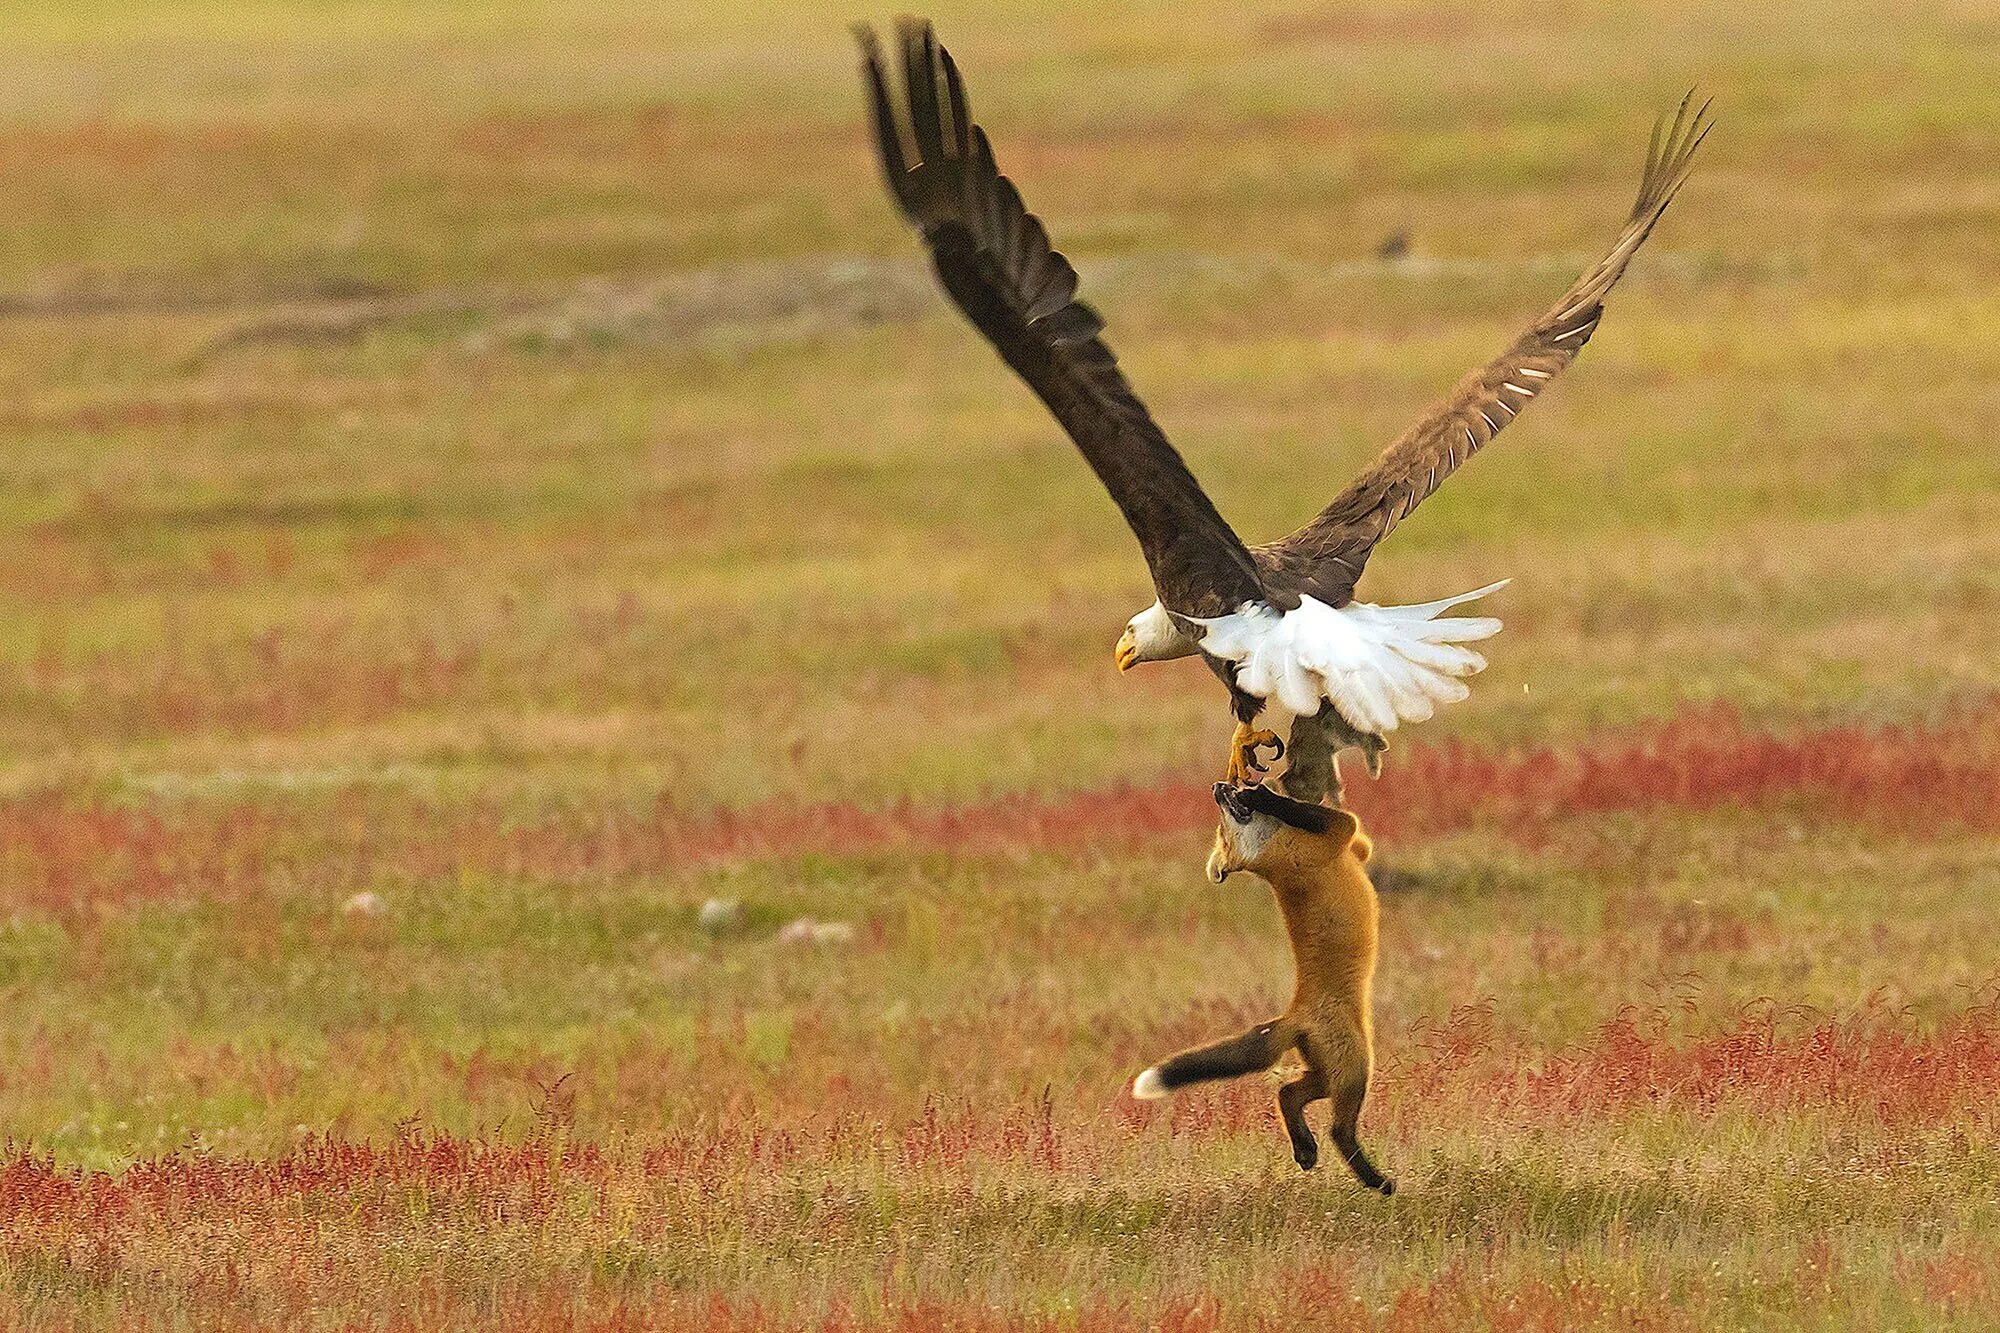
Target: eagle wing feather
995 261
1326 556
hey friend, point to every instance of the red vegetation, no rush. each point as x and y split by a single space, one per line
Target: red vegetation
1893 778
60 857
60 854
511 1178
1873 1065
1899 778
1899 1077
1896 779
1768 1059
218 1230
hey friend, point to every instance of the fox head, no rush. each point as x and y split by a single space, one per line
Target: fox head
1260 829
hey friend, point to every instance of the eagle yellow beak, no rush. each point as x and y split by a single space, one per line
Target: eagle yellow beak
1127 652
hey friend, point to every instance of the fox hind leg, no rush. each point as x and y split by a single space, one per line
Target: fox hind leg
1293 1099
1341 1060
1348 1095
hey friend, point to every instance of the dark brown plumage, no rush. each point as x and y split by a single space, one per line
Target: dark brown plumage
995 261
1326 556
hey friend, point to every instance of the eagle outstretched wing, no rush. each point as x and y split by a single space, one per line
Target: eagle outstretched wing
996 263
1325 557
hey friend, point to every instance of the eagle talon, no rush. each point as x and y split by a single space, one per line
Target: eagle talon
1246 769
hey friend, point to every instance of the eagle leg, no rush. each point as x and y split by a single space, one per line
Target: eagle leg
1245 769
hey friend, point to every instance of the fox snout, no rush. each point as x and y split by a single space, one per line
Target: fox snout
1226 857
1230 798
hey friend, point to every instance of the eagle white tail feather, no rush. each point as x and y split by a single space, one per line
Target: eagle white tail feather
1380 666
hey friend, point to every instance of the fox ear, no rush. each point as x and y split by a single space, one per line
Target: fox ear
1345 829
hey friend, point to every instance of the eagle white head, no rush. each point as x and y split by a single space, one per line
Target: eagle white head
1152 636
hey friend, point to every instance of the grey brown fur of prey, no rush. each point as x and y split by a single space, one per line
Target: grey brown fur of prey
1312 757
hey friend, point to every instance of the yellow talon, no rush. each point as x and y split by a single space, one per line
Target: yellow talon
1244 768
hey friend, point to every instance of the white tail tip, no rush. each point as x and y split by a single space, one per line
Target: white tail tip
1148 1086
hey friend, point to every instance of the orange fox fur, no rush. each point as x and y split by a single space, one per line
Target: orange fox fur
1313 858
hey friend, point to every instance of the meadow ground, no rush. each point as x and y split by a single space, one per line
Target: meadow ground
509 461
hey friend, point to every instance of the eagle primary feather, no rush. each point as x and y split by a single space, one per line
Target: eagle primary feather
996 263
1326 556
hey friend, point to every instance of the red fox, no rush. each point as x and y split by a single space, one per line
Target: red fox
1312 857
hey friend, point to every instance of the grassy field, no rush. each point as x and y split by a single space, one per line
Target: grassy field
482 480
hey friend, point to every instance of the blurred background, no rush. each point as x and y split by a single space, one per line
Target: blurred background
483 481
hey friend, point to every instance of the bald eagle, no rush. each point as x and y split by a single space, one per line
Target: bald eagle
1278 623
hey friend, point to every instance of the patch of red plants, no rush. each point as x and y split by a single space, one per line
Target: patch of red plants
1766 1058
1899 779
63 854
1877 1064
517 1177
61 857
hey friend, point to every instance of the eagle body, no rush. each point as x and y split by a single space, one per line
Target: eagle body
1377 666
1279 622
